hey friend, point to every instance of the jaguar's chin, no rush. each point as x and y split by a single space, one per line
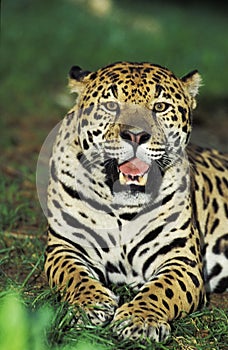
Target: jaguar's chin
133 197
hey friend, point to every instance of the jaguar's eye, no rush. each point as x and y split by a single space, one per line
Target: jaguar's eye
160 107
112 106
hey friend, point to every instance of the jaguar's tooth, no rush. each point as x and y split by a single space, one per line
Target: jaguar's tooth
142 180
137 180
122 178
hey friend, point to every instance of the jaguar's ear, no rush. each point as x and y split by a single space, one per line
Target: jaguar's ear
192 82
78 79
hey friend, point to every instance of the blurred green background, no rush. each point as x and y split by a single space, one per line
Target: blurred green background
42 39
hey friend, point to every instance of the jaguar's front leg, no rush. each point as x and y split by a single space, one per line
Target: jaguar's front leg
173 293
69 273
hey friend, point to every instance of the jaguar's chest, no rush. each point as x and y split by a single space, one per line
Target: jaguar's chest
136 257
120 267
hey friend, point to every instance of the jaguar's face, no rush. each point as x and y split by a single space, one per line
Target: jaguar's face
133 124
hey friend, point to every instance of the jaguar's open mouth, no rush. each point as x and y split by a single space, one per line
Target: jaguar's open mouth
133 176
133 172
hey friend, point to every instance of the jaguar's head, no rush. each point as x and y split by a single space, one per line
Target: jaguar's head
133 123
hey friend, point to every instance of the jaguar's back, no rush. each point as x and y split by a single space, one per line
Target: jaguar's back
210 203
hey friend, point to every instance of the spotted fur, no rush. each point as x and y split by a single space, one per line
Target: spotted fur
130 203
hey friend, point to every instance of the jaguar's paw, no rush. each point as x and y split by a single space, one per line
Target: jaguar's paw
139 325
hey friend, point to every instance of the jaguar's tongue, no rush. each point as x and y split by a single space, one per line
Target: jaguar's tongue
135 171
134 167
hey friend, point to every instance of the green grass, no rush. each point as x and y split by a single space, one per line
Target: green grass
14 210
40 41
40 324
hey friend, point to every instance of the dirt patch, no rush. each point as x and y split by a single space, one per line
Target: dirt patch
219 300
210 124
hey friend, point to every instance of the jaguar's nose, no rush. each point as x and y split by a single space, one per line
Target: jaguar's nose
136 137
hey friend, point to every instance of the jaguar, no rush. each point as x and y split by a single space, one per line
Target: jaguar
132 202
